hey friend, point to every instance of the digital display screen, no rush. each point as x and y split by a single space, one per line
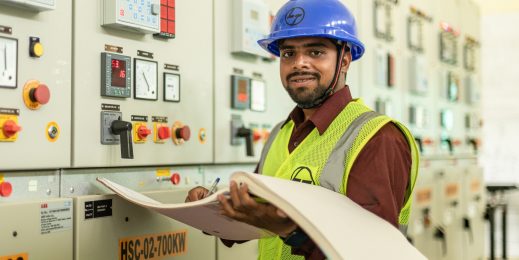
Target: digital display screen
243 92
118 73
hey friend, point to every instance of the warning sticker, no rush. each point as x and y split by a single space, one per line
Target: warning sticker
153 246
21 256
55 216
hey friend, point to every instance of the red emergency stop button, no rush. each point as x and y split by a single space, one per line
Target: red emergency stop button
163 132
5 189
183 133
40 94
175 178
10 128
143 132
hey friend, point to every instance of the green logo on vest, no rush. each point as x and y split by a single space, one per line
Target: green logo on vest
303 174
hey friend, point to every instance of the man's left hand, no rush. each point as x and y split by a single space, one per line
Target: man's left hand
242 207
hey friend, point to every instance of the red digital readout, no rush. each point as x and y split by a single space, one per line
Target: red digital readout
118 73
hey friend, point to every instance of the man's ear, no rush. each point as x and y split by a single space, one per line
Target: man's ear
346 60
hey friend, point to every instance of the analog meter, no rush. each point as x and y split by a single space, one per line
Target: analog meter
145 82
171 87
8 62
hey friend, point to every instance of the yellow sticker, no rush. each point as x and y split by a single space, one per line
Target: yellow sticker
1 178
153 246
163 173
20 256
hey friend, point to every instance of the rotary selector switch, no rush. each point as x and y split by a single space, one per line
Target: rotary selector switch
10 128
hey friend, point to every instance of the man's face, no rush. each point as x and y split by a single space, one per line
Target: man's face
307 67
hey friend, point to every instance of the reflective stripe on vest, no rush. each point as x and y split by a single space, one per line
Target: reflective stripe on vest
333 171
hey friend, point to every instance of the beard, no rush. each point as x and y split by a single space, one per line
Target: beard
305 97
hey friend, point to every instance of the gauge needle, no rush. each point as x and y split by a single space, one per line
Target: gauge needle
146 79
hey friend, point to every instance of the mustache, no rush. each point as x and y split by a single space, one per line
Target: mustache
303 73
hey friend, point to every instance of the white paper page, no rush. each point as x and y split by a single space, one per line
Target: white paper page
202 214
341 228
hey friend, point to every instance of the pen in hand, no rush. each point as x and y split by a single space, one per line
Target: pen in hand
213 187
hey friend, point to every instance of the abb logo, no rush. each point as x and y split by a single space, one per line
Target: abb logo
44 205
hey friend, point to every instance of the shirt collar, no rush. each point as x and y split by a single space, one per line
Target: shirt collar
326 113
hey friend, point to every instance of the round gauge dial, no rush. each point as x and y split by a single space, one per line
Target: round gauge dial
145 79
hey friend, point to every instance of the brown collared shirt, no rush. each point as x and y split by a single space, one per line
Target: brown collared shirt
378 178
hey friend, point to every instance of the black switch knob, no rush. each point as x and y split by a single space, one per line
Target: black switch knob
449 143
123 129
247 134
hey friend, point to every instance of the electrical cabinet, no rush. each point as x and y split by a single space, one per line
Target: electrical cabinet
35 86
422 223
40 229
108 227
138 82
474 207
249 97
449 212
162 96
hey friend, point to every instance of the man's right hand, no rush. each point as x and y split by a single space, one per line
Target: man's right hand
196 193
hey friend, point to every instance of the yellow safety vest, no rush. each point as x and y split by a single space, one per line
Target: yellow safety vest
327 159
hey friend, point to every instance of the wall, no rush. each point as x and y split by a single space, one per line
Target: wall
499 157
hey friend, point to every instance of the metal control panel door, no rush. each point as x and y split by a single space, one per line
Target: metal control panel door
449 211
161 88
108 227
474 206
35 85
421 227
36 230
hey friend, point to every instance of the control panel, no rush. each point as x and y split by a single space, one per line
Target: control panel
382 69
132 15
249 96
132 110
35 84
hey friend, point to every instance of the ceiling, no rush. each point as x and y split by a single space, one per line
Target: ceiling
492 7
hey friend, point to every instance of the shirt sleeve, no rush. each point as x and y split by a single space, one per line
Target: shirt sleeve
377 181
230 243
379 177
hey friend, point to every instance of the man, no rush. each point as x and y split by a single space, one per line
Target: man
329 139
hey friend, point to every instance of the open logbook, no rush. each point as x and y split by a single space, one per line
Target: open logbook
340 227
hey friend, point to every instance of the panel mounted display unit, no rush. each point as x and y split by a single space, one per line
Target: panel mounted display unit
415 29
141 16
470 49
251 22
382 19
448 44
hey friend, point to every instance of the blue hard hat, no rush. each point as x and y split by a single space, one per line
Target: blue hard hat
314 18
